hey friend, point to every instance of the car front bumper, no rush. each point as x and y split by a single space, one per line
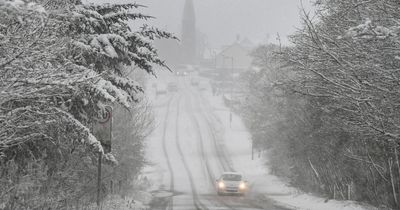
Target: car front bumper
231 190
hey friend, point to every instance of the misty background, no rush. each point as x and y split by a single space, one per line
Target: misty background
222 21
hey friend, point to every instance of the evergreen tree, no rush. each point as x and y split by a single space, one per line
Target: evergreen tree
61 62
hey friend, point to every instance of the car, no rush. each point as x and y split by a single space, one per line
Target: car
181 73
161 89
202 86
194 82
231 183
172 87
184 69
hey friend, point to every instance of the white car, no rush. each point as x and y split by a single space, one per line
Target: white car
231 183
161 89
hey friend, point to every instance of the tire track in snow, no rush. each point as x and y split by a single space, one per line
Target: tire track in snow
201 145
171 171
196 201
222 155
209 173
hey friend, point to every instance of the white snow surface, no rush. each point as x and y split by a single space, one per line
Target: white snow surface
116 202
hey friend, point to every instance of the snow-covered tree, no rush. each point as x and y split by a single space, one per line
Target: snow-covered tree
346 59
326 108
61 62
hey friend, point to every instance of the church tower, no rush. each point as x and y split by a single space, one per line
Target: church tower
188 33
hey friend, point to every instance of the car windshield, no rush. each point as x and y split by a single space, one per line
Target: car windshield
232 177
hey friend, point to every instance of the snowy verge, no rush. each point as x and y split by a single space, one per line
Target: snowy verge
237 141
137 202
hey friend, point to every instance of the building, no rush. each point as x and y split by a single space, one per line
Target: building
235 57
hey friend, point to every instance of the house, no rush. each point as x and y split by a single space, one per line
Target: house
235 57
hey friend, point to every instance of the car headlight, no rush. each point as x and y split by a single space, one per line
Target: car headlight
221 184
242 185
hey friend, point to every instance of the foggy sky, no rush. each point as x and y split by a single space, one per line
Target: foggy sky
222 20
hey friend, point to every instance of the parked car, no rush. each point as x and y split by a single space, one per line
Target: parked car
161 89
173 87
203 86
194 82
231 183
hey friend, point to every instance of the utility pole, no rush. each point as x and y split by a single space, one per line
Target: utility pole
230 115
252 149
99 180
102 130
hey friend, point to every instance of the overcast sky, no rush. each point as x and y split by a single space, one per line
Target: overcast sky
222 20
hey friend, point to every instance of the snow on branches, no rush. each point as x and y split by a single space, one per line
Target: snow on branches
352 60
65 62
368 30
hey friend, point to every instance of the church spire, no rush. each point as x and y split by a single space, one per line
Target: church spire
189 33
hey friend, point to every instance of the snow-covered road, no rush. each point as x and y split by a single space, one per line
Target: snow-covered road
188 154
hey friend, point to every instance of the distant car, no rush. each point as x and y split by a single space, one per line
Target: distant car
185 69
194 82
172 87
161 90
202 86
231 183
181 73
